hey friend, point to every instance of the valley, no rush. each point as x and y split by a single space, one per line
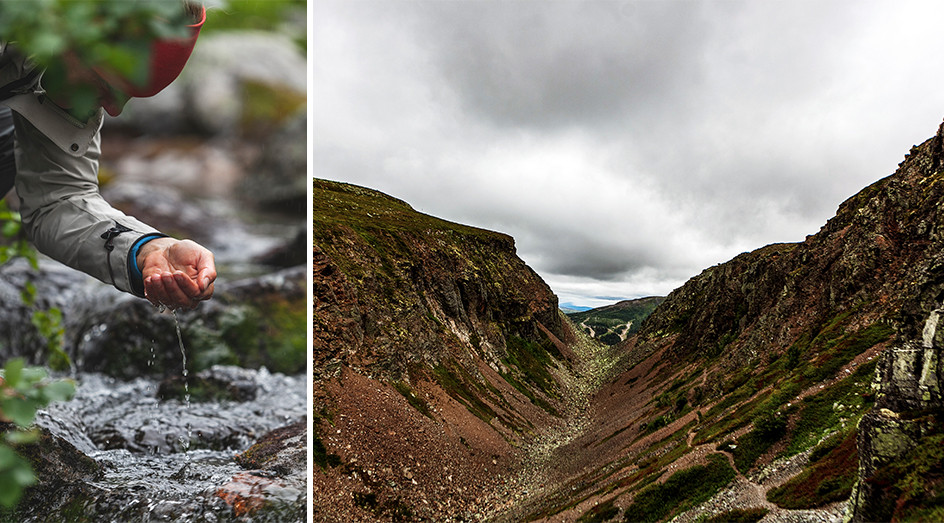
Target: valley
796 382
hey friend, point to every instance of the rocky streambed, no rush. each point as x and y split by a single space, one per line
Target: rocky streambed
163 458
144 440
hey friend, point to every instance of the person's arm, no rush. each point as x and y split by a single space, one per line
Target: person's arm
67 219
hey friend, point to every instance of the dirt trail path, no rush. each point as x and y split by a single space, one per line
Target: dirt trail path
543 458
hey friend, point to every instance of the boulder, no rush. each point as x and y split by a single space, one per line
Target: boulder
275 485
251 323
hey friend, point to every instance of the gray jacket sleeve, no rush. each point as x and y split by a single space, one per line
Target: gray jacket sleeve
56 162
62 210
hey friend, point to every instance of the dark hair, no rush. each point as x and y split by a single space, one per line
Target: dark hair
193 9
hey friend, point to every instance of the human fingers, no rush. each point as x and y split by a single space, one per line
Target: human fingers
154 290
187 285
168 291
205 279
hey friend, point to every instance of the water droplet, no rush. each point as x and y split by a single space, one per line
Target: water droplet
185 443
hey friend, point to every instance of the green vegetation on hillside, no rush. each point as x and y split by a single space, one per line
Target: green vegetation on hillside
614 323
683 490
828 477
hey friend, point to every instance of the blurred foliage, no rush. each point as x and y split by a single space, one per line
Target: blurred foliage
113 36
23 391
282 16
48 322
65 36
266 107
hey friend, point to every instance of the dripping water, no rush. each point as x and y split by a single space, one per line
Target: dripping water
185 443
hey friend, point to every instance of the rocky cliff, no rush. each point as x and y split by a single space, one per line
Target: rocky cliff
437 351
811 371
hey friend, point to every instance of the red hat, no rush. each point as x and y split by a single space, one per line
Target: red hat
168 58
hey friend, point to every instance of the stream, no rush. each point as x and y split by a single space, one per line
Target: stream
150 465
167 404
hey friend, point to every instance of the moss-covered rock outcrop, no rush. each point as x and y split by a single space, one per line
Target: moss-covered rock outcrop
398 293
437 352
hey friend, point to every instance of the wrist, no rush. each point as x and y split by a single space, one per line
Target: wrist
150 246
140 250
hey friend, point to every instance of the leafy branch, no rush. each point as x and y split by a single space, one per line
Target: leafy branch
64 36
24 390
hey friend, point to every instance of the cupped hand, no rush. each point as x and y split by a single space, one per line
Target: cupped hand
177 273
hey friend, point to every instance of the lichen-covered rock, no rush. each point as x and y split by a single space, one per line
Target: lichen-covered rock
274 487
283 451
62 475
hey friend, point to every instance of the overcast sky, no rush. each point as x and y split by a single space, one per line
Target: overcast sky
625 145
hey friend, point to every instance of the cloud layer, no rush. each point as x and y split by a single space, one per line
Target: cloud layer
626 145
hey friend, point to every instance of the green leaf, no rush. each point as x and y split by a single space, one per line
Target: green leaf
59 390
28 294
23 474
10 490
19 411
11 228
15 473
31 376
7 458
13 372
19 437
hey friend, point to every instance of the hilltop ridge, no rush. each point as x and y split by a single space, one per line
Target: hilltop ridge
613 323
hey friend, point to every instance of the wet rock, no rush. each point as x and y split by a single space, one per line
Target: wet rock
277 483
282 451
56 287
251 323
290 253
164 209
127 415
218 383
122 336
278 181
55 460
189 166
189 430
62 475
264 498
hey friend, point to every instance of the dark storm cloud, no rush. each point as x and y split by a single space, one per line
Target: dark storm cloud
626 145
535 64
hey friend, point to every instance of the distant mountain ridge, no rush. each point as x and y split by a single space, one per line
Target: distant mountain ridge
613 323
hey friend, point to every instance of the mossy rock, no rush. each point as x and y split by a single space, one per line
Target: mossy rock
252 323
281 451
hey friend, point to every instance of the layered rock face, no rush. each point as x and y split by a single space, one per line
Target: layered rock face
436 351
814 368
874 269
